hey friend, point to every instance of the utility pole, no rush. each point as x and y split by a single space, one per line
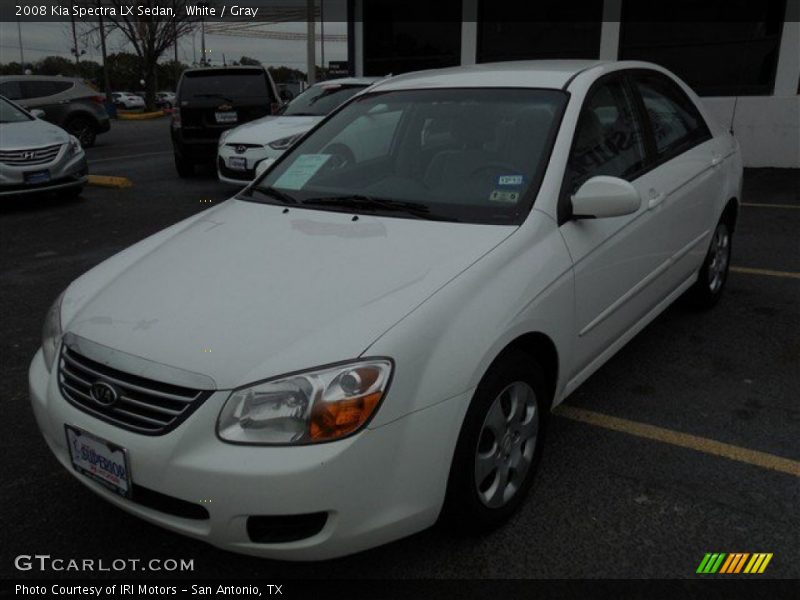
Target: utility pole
322 33
106 82
21 54
311 44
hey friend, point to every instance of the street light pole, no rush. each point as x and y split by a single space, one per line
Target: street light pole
21 54
311 44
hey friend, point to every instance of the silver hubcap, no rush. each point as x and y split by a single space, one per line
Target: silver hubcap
506 444
720 255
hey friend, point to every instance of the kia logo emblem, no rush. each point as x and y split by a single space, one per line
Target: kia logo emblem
104 393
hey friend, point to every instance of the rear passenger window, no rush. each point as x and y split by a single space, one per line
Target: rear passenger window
674 119
608 140
11 90
41 89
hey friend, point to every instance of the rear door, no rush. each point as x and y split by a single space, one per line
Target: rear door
686 173
48 96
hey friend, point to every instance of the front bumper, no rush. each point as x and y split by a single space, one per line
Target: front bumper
64 171
376 486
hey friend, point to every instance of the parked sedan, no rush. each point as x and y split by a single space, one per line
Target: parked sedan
243 148
371 336
37 156
165 99
128 101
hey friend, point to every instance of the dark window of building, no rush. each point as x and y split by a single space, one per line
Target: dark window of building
392 45
674 120
718 47
540 29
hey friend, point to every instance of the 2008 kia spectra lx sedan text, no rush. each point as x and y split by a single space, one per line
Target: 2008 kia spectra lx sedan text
365 339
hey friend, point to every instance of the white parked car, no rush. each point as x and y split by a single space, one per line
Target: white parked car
242 149
127 100
368 338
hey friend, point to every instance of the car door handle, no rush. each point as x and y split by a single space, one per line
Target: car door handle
655 198
716 160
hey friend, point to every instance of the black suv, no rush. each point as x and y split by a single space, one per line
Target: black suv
67 102
209 101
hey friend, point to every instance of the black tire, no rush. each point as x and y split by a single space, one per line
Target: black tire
184 167
710 284
465 508
83 129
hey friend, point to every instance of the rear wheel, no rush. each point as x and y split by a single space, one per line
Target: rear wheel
184 167
83 129
708 288
499 445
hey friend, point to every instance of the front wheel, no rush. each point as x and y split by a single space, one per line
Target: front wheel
499 445
707 290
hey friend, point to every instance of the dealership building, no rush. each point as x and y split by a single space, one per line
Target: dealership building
741 56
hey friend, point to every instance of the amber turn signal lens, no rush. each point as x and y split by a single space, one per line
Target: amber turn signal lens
331 420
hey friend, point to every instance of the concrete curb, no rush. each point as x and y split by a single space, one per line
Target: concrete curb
108 181
132 116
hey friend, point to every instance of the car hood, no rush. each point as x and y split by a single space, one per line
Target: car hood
247 291
269 129
31 134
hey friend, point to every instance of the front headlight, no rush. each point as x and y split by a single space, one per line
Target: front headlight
320 405
224 135
73 146
284 143
51 332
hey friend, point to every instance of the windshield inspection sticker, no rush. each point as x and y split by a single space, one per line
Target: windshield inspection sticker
510 180
504 196
301 170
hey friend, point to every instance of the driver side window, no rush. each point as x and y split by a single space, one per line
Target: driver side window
608 139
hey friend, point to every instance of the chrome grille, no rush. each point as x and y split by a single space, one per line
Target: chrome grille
30 157
143 405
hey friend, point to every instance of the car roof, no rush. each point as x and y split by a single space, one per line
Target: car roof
224 68
553 74
41 78
349 81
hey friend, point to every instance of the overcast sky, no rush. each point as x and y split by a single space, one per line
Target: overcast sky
44 39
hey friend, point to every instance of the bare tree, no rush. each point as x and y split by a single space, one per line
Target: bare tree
150 36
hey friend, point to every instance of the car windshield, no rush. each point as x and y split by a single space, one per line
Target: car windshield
319 100
11 114
473 155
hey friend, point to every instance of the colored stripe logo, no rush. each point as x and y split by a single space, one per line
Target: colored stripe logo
734 563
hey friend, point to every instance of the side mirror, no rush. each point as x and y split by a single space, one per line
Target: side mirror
602 196
263 166
38 113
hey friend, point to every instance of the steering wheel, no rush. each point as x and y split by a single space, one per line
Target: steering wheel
341 156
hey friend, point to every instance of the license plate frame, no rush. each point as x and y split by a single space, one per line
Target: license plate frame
238 163
81 444
227 116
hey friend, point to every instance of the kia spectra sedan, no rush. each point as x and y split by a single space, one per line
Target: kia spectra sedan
369 339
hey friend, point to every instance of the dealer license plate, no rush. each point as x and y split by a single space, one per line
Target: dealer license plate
100 460
225 117
237 162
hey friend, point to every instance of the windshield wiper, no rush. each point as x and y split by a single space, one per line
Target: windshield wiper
416 209
271 192
213 96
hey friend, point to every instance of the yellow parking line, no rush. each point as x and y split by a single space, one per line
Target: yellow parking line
769 272
684 440
108 181
768 205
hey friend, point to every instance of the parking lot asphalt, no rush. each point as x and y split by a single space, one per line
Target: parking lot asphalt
608 502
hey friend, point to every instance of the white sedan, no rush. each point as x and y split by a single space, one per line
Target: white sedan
127 100
371 337
242 149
